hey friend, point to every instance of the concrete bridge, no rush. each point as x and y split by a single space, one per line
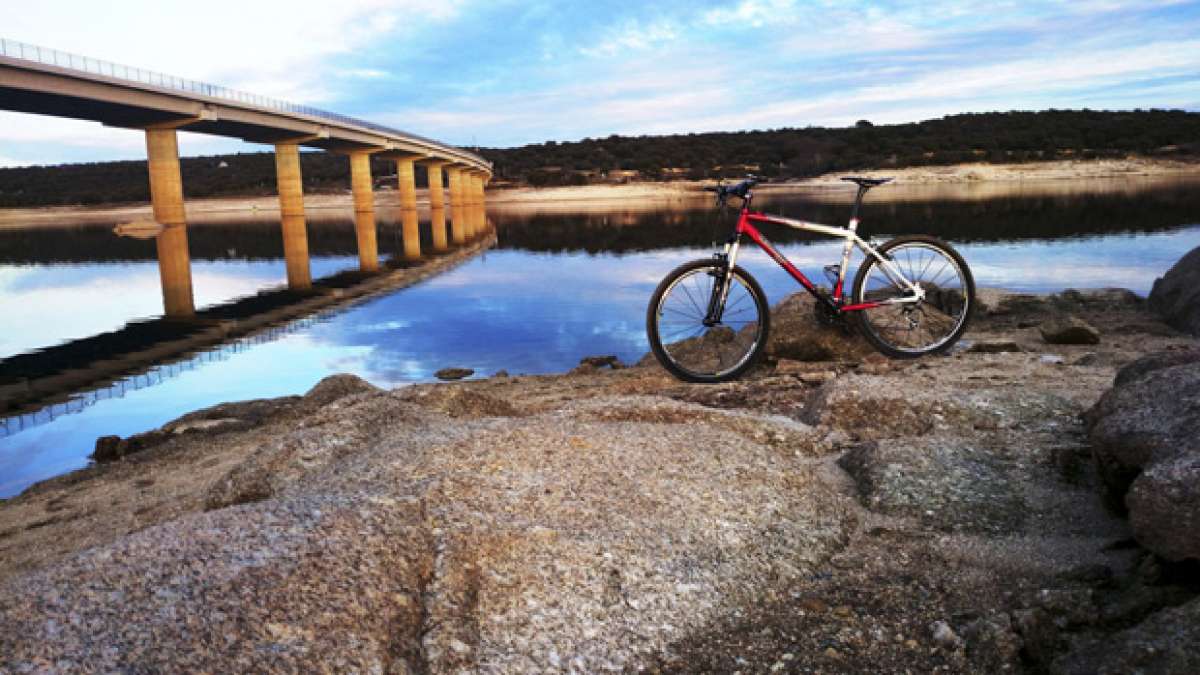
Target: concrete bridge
49 82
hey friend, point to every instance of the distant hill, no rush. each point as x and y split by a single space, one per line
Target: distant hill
784 153
214 176
811 151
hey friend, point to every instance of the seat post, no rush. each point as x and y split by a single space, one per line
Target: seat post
862 190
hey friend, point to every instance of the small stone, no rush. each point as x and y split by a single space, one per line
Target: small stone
792 367
817 378
944 635
995 347
1051 359
832 653
815 605
108 449
1069 330
609 360
460 647
453 373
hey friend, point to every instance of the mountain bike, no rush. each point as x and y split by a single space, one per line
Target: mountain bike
708 320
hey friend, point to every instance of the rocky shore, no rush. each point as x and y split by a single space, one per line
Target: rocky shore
832 512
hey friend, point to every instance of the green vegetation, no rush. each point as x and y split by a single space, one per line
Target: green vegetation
796 153
216 176
776 153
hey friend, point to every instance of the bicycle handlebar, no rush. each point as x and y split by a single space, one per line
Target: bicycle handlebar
740 190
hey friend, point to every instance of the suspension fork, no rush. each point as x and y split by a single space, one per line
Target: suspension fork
716 302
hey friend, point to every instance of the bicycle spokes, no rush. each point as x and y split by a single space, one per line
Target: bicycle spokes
928 323
699 334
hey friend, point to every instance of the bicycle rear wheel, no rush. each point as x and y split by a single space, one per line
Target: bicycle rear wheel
688 348
909 330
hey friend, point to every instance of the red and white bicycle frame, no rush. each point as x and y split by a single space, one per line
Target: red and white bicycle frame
745 226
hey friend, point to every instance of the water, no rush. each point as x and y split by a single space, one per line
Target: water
559 287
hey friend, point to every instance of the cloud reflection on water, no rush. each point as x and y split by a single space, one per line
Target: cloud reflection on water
537 306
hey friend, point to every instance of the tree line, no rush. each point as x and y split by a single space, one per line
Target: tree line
996 137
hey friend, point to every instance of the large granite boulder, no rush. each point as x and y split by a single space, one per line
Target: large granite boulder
1164 506
798 334
1145 441
377 534
1176 295
1167 642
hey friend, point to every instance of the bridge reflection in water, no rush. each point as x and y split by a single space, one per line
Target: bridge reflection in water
48 82
36 387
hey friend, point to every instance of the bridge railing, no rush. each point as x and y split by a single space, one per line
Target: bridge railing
84 64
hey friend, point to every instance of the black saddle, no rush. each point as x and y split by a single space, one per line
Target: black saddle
866 183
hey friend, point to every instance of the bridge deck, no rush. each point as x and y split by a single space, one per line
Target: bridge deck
49 82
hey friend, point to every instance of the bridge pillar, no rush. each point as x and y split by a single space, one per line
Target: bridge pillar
458 225
437 222
478 219
458 212
291 210
364 211
477 196
479 180
411 232
467 187
408 183
454 179
166 196
437 197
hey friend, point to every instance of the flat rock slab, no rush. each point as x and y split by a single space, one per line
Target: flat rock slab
944 482
584 538
1167 642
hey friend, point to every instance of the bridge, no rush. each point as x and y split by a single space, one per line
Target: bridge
49 82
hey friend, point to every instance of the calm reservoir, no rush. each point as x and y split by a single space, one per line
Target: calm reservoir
562 284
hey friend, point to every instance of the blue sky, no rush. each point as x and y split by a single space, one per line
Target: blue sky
502 73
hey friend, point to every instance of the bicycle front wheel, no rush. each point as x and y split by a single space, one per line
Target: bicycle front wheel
692 350
909 330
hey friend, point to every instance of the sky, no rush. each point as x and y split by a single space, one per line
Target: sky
502 73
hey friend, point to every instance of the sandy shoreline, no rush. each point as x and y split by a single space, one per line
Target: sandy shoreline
907 182
971 181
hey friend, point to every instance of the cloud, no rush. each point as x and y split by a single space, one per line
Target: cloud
287 50
278 49
634 35
754 13
365 73
509 73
